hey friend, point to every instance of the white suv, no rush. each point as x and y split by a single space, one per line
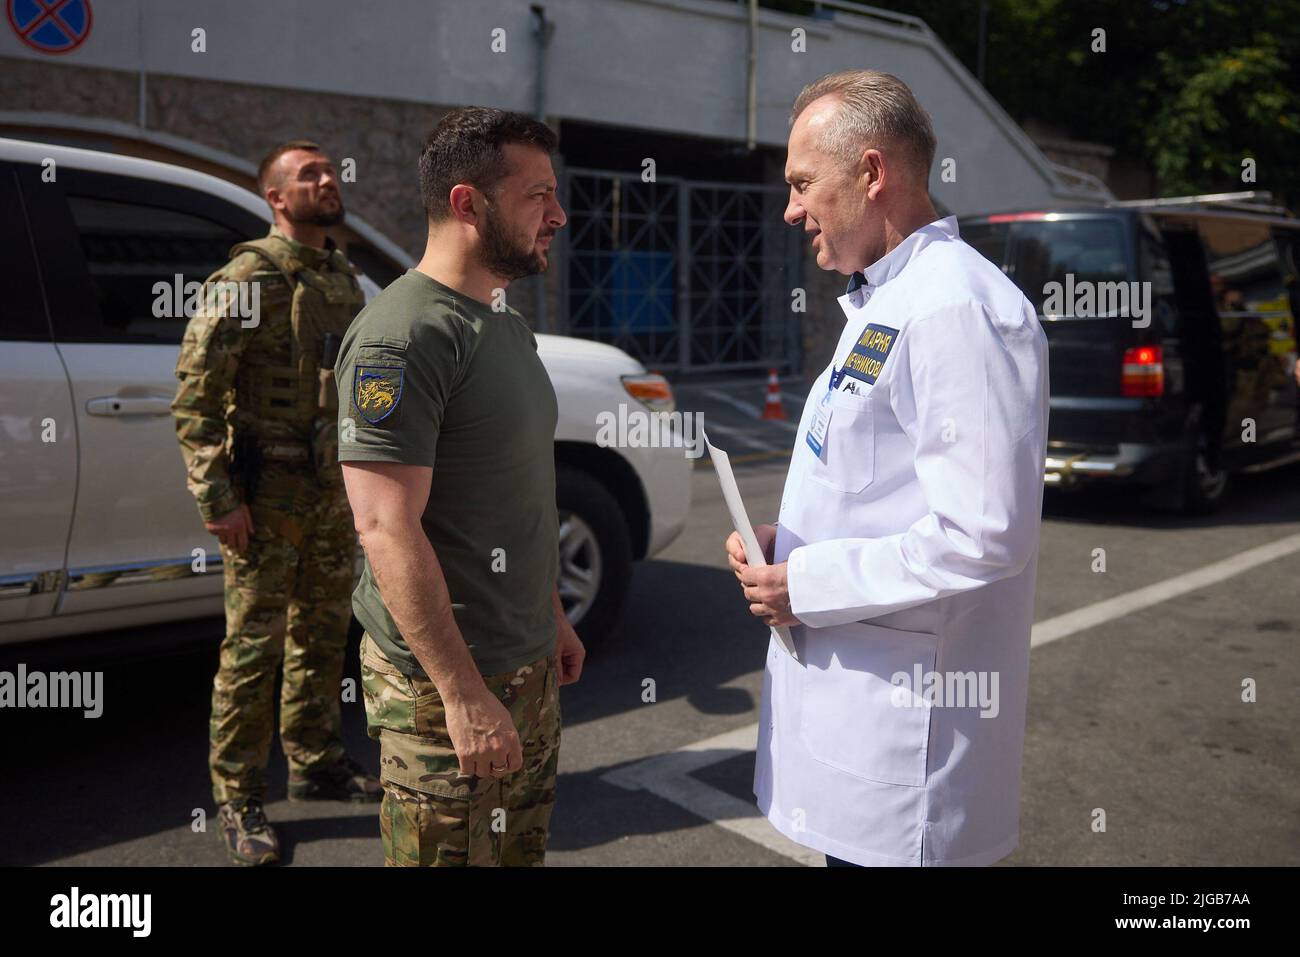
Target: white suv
99 530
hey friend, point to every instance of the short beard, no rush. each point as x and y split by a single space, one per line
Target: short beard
499 256
315 215
323 218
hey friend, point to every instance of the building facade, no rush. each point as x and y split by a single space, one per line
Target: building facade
673 116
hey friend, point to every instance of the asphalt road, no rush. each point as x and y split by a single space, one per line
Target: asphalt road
1140 715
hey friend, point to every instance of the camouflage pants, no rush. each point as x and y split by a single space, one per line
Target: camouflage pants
288 601
432 815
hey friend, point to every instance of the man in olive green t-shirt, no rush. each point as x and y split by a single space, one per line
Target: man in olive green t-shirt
446 435
440 380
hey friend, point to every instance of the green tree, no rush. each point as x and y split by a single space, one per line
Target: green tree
1227 107
1188 87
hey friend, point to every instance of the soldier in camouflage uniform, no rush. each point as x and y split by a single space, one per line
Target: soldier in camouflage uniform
255 414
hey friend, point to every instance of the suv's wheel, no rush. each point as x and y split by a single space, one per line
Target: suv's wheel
1205 488
595 553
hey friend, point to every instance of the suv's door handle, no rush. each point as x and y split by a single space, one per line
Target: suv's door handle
129 405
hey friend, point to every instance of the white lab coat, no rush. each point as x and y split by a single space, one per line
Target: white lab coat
912 543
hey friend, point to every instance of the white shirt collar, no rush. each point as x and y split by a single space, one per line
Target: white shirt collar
893 262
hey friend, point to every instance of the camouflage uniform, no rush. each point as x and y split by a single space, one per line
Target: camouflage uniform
432 815
287 594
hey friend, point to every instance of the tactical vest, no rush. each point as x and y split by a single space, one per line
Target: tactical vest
324 302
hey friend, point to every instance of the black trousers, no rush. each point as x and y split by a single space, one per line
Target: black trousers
836 862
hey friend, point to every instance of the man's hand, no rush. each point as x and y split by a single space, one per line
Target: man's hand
569 653
766 535
233 528
483 734
764 586
768 593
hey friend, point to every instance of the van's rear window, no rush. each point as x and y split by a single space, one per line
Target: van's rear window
1036 253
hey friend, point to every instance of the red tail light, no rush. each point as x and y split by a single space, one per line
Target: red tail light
1143 373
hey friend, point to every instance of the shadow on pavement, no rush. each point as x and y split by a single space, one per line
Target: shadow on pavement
80 784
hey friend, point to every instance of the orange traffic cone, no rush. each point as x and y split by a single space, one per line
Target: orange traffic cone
773 408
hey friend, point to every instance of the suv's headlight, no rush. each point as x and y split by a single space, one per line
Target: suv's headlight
652 390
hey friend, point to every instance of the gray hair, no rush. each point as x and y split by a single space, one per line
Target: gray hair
875 109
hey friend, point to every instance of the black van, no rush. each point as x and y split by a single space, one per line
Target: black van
1172 338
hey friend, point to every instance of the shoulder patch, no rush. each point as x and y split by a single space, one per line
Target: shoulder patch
377 391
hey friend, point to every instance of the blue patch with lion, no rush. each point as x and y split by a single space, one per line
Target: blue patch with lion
376 391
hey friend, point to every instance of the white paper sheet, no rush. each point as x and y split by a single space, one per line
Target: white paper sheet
740 519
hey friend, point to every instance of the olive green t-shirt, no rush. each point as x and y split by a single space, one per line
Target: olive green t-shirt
429 376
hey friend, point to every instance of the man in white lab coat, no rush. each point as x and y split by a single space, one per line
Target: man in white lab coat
906 549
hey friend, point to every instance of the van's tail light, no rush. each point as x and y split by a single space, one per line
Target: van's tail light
1144 372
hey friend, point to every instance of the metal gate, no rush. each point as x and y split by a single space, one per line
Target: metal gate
683 274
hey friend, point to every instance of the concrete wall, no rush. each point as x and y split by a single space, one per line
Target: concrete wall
368 80
242 121
672 65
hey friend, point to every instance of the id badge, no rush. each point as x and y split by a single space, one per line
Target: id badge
816 437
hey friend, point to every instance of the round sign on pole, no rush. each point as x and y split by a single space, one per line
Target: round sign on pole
50 26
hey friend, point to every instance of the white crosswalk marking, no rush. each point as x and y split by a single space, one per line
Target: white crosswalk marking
1090 616
668 775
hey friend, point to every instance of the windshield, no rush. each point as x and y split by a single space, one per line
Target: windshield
1037 252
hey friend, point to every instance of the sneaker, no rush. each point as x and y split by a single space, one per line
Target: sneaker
250 840
345 781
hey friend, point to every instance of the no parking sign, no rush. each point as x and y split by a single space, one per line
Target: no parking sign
50 26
